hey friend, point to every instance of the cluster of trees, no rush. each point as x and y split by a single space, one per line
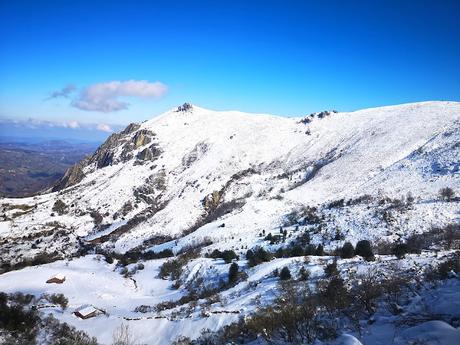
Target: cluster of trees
173 267
134 256
299 315
257 256
363 249
227 255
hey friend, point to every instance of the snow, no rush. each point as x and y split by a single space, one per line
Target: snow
347 339
430 333
85 311
59 276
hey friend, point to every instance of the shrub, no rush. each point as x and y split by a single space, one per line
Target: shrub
97 217
60 207
334 294
17 319
319 250
229 255
446 194
444 269
347 251
285 273
400 250
304 274
296 251
122 335
226 255
59 299
108 259
364 249
259 255
367 292
331 269
173 268
233 273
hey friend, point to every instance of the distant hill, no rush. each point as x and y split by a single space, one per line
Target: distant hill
29 167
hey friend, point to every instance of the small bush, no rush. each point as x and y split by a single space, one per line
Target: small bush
446 194
258 256
173 268
123 336
285 273
304 274
227 255
59 299
334 294
319 250
97 217
364 249
233 273
400 250
347 251
331 269
60 207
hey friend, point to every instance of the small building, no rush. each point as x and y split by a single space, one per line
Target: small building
87 312
56 279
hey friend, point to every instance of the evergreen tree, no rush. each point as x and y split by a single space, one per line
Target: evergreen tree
285 273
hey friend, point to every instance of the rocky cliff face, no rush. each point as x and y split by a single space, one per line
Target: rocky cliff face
118 148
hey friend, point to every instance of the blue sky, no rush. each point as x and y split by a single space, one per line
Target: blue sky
282 57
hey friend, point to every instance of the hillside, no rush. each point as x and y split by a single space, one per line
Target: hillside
193 180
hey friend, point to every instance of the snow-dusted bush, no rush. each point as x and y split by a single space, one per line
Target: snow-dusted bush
446 194
60 207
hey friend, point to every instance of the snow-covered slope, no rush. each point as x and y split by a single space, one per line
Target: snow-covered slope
169 176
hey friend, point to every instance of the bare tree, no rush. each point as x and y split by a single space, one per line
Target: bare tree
122 336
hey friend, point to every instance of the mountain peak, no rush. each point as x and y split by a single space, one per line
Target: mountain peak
186 107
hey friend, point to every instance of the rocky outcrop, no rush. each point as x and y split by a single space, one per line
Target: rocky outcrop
184 107
132 127
141 138
149 153
72 176
130 139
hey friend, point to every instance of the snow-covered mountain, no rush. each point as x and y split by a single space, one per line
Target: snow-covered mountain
169 176
193 177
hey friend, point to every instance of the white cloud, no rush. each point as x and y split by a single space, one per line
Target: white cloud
64 92
73 124
33 123
104 97
104 127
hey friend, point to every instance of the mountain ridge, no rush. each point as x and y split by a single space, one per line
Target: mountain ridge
178 160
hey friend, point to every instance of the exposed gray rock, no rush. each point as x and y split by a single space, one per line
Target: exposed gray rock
185 107
106 154
149 153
